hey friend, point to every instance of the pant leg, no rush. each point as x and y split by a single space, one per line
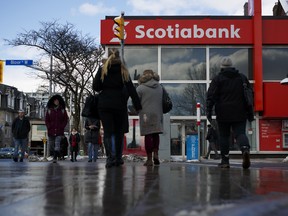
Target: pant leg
239 129
90 151
17 146
224 133
23 147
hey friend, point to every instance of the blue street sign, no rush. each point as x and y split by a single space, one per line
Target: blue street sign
19 62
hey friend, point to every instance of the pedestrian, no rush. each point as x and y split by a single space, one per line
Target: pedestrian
74 140
56 119
20 131
151 116
212 139
92 126
226 93
114 85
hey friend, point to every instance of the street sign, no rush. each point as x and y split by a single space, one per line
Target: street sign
19 62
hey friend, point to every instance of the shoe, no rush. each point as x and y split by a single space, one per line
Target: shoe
21 160
224 164
15 159
217 158
54 160
119 162
246 159
205 157
71 160
156 161
89 161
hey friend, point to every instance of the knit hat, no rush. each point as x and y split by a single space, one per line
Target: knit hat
226 62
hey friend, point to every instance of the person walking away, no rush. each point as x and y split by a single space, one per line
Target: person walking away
151 116
74 140
226 93
92 126
114 85
212 139
56 119
20 131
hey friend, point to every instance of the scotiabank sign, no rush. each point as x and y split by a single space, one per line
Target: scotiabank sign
180 31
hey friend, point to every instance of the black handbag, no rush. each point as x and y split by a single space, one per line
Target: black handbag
90 108
166 101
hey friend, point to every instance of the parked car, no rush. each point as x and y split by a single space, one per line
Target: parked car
6 152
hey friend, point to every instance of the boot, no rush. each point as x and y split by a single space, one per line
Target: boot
245 157
55 155
156 157
149 161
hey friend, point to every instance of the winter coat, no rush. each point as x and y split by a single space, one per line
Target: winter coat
151 115
113 93
92 135
77 141
227 95
20 128
56 118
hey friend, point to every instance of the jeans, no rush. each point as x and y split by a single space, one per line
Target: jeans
239 132
20 144
54 143
92 151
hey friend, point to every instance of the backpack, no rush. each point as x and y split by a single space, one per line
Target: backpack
90 108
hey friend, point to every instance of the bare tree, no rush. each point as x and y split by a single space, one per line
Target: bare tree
75 60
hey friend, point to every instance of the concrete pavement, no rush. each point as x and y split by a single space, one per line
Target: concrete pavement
173 188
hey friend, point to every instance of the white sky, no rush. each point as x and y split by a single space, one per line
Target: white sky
18 16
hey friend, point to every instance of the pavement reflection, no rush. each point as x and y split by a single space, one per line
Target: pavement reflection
175 188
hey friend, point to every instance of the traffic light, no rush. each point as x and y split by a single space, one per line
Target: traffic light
119 29
1 71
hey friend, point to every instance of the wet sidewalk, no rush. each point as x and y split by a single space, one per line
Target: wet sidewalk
173 188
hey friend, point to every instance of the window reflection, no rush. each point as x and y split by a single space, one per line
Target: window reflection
140 59
185 97
241 58
183 63
275 64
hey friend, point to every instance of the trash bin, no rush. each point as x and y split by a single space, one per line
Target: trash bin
192 147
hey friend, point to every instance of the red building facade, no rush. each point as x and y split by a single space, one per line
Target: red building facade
185 51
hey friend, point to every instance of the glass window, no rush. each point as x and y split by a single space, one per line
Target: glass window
275 64
241 58
183 63
140 59
185 97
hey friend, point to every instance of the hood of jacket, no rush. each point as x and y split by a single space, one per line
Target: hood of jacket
229 72
147 77
50 103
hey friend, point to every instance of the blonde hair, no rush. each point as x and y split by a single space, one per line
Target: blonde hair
114 58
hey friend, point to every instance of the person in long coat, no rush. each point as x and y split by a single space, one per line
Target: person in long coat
150 93
114 85
92 126
56 119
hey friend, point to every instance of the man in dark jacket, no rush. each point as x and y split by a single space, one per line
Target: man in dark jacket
226 93
56 120
20 130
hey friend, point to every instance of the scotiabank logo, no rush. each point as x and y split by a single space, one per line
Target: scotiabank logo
195 31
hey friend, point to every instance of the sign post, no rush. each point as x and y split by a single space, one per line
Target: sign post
198 126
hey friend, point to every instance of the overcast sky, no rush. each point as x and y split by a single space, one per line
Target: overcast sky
18 16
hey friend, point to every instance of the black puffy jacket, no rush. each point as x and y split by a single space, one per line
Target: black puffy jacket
227 95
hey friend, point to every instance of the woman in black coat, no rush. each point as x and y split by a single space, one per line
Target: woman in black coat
114 85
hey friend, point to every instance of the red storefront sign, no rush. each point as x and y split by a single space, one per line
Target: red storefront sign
197 30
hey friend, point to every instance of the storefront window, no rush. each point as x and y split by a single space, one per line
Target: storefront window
140 59
241 58
183 64
185 97
275 64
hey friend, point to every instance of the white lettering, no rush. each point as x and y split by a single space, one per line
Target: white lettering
195 32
